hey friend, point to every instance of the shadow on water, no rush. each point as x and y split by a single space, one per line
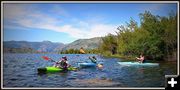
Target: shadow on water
20 70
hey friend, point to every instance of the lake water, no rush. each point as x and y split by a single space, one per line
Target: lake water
20 71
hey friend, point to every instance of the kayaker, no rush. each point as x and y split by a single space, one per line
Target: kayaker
82 50
93 59
141 58
63 63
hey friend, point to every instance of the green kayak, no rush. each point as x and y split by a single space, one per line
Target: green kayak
54 69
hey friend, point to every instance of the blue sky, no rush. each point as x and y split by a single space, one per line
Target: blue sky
67 22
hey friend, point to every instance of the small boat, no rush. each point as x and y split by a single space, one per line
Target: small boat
138 63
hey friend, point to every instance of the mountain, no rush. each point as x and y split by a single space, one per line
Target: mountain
85 43
45 46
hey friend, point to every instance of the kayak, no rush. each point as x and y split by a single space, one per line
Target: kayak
54 69
86 64
139 64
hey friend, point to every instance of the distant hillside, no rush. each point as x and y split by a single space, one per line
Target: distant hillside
85 43
45 46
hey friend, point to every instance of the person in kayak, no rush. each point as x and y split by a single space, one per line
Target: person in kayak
82 50
93 59
63 63
141 58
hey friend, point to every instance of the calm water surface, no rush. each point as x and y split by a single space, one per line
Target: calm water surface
20 70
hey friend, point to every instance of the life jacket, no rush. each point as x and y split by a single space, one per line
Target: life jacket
63 63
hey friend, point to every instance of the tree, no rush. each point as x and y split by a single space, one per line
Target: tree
156 37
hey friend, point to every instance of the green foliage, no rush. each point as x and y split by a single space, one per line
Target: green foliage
109 44
156 37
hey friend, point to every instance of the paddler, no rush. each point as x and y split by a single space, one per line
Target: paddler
93 59
63 63
141 58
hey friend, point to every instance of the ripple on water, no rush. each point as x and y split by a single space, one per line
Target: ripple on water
93 83
20 70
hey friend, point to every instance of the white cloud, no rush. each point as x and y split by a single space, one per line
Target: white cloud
33 18
102 30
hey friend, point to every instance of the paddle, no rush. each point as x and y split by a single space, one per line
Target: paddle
47 58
